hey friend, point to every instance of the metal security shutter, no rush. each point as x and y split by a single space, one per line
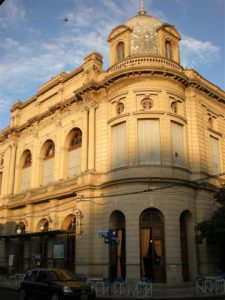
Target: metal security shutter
149 151
74 161
119 145
26 178
214 144
48 171
177 136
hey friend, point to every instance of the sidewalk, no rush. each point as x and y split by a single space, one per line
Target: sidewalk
163 293
181 293
158 293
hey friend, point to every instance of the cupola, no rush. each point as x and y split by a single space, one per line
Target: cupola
143 35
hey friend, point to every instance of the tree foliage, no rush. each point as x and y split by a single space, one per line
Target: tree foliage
213 229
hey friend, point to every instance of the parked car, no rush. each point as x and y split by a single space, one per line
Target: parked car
54 284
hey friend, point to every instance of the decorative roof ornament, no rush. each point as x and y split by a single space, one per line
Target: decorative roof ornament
142 10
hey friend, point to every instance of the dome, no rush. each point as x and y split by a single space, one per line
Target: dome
144 38
144 35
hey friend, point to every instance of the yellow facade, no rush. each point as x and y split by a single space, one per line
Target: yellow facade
117 148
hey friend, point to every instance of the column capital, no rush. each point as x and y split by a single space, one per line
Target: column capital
85 108
93 105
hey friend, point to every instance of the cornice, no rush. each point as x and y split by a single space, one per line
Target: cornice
141 67
200 83
61 78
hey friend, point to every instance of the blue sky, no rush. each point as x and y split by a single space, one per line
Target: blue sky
36 44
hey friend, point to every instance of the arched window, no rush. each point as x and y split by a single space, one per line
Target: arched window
43 225
48 162
50 150
74 152
120 51
42 243
69 224
118 252
152 245
26 170
168 49
20 228
19 255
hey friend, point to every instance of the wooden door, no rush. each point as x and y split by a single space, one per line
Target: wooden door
152 246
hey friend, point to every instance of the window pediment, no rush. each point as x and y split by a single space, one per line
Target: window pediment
170 30
118 31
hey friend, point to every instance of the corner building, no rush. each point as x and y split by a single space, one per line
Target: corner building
132 148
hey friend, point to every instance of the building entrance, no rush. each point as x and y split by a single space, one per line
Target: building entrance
152 246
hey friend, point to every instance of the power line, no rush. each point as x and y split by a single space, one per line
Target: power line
153 189
111 195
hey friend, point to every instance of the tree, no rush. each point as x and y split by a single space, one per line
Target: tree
213 229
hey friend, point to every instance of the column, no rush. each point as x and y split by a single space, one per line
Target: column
59 152
13 148
35 152
84 159
91 144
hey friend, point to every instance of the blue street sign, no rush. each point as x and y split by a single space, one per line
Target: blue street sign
109 236
104 233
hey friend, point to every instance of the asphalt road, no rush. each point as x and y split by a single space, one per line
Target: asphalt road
8 295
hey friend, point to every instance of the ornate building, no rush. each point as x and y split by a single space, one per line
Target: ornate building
139 147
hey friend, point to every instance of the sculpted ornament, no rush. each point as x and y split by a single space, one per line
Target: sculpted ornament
93 105
84 108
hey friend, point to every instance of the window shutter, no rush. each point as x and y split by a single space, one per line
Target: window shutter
119 145
149 151
26 178
177 136
48 171
74 161
214 144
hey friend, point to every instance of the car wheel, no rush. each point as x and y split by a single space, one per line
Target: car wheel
22 294
55 297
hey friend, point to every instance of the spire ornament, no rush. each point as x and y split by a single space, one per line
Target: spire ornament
142 10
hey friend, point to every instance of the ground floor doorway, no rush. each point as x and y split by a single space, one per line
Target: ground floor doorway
152 254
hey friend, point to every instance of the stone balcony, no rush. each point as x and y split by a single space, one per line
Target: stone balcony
145 61
49 192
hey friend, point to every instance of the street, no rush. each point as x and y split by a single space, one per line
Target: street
8 295
13 295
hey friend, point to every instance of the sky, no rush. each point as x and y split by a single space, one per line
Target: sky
36 43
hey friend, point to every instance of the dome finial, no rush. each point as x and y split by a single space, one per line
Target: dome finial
142 10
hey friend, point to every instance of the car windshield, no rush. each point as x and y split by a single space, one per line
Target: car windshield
61 275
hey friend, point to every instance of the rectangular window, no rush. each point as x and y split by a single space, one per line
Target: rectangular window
149 151
0 183
119 145
74 160
177 136
26 178
215 157
48 171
